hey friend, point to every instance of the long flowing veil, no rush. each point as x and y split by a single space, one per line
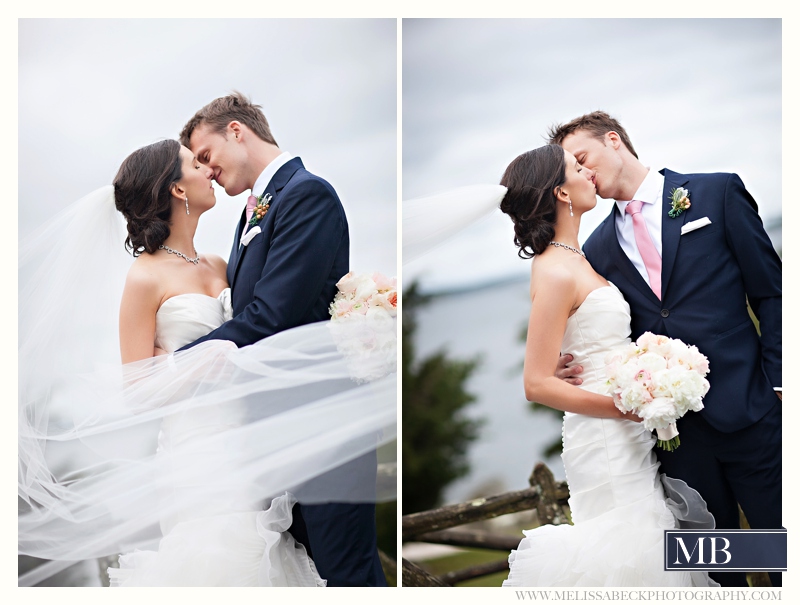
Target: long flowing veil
110 454
431 220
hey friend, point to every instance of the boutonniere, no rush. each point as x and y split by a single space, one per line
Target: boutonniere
680 201
261 209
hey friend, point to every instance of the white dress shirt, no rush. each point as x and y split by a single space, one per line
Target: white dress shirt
266 175
650 193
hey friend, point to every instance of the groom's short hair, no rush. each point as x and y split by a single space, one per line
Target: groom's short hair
597 123
224 110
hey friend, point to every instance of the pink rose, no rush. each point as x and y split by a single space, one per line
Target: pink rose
383 283
347 283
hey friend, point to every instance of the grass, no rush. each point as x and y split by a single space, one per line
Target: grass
468 558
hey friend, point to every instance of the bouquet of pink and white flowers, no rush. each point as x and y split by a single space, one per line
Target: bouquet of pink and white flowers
659 379
362 294
363 324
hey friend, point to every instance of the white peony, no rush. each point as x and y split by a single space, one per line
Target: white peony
654 343
633 397
659 413
652 362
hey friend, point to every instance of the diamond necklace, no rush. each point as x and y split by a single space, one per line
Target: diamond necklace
181 254
560 245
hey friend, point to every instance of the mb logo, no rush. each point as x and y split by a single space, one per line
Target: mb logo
704 551
725 550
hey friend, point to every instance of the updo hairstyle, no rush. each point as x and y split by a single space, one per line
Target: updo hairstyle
142 194
530 201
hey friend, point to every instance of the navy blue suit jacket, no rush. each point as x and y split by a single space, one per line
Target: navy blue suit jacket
286 276
708 275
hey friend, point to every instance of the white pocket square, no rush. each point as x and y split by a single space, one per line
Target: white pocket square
249 234
692 225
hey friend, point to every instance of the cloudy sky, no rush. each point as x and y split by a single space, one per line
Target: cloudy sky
92 91
695 95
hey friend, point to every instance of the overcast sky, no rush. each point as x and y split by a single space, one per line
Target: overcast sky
93 91
695 95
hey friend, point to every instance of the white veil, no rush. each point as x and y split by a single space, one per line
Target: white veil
431 220
291 412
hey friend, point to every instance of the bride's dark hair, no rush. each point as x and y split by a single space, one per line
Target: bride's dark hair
142 194
530 201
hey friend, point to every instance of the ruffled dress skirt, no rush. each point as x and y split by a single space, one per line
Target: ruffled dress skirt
620 508
235 549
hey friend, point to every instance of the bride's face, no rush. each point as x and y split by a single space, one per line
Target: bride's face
196 182
580 184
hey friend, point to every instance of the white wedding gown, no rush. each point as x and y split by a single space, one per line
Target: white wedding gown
619 502
226 540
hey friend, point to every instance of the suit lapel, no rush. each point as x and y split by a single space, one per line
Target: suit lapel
274 187
618 256
236 252
241 250
670 227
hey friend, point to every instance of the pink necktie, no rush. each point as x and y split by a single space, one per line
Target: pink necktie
251 206
650 256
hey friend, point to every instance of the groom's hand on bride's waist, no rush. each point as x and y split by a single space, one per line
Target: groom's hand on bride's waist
568 373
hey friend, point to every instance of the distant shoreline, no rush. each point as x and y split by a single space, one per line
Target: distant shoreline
475 286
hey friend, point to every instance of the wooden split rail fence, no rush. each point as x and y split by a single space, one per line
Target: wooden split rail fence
545 495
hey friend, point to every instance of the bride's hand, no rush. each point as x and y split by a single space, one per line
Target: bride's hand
630 416
568 374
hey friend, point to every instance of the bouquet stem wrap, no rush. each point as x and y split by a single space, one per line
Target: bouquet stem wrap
668 437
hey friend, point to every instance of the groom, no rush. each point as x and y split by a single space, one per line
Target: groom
283 268
689 274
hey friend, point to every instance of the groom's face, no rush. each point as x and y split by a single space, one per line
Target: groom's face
598 155
221 153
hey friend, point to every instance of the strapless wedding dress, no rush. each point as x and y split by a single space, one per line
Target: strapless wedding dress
226 540
620 504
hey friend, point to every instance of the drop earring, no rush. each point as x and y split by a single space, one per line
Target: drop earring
186 199
570 209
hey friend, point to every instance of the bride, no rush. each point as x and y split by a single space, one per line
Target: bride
620 505
187 463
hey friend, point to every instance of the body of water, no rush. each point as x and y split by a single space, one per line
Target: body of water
487 322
